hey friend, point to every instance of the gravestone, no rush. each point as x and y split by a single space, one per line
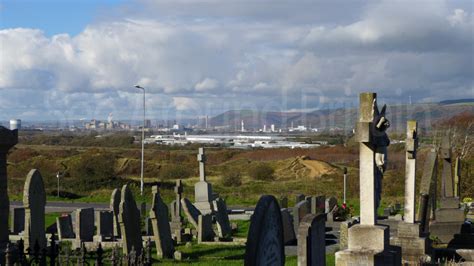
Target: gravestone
428 189
330 204
265 236
289 236
34 202
205 232
320 204
84 226
222 218
192 213
114 206
373 142
449 216
176 218
312 240
8 139
104 222
414 244
344 232
129 220
202 189
299 211
457 177
18 220
161 226
148 227
65 228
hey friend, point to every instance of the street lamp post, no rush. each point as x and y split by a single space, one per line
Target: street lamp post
143 139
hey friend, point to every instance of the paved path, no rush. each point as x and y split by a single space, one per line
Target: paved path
53 206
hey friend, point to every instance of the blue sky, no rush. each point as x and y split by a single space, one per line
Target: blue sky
54 16
67 59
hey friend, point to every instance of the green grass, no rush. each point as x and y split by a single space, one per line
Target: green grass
242 228
50 218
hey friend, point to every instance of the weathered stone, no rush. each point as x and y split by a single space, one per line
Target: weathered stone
299 211
368 242
192 213
85 224
447 182
428 188
289 236
18 220
457 177
344 233
8 139
203 190
34 201
265 237
65 228
205 231
414 246
104 222
129 220
410 170
148 226
222 219
161 226
176 218
115 206
330 204
312 240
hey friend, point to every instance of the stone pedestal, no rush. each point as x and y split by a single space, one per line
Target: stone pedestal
449 220
415 246
8 139
368 245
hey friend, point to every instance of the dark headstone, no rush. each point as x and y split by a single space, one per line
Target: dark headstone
265 237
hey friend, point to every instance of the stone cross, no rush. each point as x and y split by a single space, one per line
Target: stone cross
370 130
410 170
457 177
8 139
447 185
34 201
178 190
201 157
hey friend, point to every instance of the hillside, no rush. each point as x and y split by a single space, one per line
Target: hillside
425 114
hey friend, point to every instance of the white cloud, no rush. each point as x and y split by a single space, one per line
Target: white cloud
190 55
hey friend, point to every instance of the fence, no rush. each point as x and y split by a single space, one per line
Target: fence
60 254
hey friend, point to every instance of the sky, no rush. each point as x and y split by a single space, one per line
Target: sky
66 60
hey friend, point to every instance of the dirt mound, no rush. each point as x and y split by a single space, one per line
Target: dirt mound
303 166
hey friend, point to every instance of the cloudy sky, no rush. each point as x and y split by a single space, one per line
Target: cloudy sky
81 59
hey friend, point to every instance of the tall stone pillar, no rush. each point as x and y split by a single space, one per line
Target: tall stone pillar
203 190
449 216
373 141
8 139
415 244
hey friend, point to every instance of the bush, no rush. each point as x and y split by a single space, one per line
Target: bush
175 172
231 178
92 171
261 171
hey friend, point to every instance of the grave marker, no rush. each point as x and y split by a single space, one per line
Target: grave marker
265 237
115 206
129 220
34 201
104 222
65 228
222 218
161 226
85 224
191 212
18 220
8 139
202 189
312 240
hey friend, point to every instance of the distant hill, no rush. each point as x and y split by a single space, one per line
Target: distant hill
457 101
425 114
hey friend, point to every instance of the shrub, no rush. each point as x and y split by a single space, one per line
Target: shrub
175 172
231 178
92 170
261 171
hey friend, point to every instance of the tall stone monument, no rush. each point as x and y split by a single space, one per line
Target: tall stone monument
176 218
115 208
8 139
414 243
370 133
129 219
265 244
449 216
161 226
203 190
427 194
34 202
